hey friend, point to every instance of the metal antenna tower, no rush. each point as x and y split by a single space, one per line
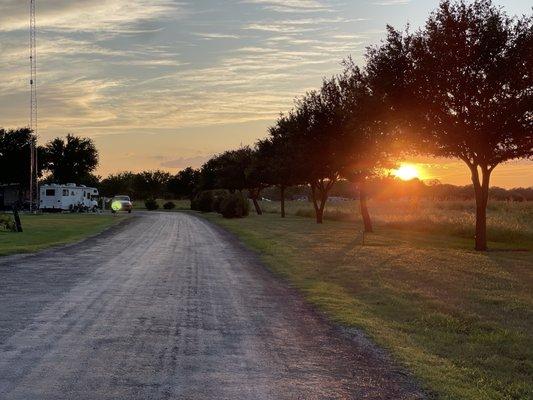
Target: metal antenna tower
33 107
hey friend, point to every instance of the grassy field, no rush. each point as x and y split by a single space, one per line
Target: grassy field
509 223
461 321
45 230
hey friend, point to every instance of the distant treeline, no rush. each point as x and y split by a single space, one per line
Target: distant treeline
391 188
186 183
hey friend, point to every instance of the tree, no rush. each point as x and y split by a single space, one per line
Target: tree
118 184
70 160
234 170
150 184
469 75
317 135
277 161
182 184
15 156
369 143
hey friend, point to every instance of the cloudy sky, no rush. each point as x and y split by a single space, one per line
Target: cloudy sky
167 83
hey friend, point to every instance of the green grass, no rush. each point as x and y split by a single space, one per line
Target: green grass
461 321
46 230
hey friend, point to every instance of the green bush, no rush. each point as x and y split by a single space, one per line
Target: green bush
234 205
169 205
205 201
151 204
7 223
195 203
218 198
208 200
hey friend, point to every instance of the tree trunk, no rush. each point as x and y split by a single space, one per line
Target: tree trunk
254 194
318 213
18 224
319 191
282 189
481 188
323 199
367 222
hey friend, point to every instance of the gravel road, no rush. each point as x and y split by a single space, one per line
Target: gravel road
167 306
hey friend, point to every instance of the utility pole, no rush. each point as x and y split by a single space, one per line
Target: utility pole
34 169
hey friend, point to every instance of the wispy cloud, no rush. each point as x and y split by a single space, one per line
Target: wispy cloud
184 162
391 2
291 6
88 15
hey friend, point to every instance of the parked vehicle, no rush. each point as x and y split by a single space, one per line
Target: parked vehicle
69 197
337 199
121 203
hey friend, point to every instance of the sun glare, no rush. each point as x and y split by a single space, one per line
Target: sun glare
406 172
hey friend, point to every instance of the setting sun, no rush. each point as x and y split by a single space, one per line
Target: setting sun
406 172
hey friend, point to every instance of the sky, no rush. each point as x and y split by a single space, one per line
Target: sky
164 84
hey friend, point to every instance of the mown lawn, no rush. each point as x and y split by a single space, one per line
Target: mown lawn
461 321
45 230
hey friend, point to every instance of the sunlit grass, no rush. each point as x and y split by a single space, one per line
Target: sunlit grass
507 222
45 230
459 319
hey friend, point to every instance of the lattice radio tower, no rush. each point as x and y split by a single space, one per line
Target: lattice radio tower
34 191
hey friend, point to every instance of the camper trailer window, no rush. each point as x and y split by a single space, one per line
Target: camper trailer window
65 192
50 192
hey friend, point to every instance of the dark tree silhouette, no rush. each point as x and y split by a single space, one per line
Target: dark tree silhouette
70 160
277 162
15 156
464 86
369 145
150 184
182 184
235 170
318 137
118 184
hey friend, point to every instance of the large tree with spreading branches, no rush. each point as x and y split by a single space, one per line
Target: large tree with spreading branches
467 83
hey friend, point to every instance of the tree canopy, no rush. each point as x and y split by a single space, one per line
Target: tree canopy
70 160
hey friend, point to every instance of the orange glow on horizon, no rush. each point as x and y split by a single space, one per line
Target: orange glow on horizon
407 172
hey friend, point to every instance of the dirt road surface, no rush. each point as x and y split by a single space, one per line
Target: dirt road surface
167 306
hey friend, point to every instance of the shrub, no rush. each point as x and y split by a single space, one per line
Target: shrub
195 203
208 200
151 204
7 223
205 201
218 198
169 205
234 206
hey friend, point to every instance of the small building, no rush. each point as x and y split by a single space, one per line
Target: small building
10 195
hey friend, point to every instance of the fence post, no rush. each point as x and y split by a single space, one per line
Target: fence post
18 224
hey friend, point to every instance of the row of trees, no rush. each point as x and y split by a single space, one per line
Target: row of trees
461 87
151 184
70 159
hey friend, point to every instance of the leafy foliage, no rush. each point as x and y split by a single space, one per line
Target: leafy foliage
15 156
151 204
70 160
169 205
7 223
235 205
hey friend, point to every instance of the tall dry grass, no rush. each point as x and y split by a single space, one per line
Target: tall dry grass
508 222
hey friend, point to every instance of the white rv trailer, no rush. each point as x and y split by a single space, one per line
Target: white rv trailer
69 197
